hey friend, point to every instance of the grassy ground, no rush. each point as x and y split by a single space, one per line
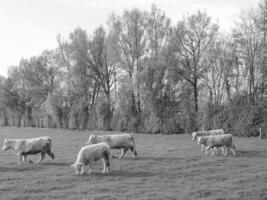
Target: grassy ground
168 167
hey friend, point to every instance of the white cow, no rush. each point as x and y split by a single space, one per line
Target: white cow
91 153
24 147
217 141
116 141
197 134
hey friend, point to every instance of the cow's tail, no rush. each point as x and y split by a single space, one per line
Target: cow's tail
133 148
106 155
50 142
49 151
233 148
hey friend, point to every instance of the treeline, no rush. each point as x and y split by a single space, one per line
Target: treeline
143 74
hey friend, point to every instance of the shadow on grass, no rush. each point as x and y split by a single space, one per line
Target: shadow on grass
21 168
159 159
58 163
115 157
124 173
251 154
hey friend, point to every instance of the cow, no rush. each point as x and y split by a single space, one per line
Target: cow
197 134
116 141
218 141
24 147
91 153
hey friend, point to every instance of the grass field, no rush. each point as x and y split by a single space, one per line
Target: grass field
168 167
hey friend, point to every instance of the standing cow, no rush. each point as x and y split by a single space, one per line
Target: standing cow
197 134
116 141
91 153
225 141
24 147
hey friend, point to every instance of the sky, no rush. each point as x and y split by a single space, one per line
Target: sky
27 27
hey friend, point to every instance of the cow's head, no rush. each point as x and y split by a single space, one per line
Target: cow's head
92 140
194 137
77 167
200 140
6 145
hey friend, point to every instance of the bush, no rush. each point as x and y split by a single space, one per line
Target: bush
239 117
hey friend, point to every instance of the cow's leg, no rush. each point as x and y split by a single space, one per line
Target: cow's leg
226 151
20 158
77 170
108 165
50 153
133 148
106 161
82 170
222 150
24 158
213 151
218 150
104 165
123 151
202 148
90 168
233 149
207 149
41 157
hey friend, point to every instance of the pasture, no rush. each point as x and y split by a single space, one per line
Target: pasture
168 167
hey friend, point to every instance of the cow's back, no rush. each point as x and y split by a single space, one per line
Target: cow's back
35 145
118 140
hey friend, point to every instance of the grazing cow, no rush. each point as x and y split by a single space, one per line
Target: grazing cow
217 141
197 134
116 141
91 153
24 147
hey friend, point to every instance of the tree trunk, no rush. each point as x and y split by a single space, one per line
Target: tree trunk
196 96
108 116
133 107
228 90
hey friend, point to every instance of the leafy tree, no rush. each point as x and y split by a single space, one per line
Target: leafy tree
103 67
129 35
190 43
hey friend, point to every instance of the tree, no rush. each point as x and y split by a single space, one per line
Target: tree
261 24
157 90
129 35
249 46
191 40
81 82
13 96
103 67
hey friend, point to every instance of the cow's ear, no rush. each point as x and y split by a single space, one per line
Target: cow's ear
92 136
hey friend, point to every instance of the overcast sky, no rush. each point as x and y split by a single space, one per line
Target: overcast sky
30 26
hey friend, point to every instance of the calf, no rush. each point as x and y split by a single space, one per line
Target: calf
24 147
92 153
217 141
116 141
197 134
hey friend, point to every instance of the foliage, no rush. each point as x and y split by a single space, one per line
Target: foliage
143 74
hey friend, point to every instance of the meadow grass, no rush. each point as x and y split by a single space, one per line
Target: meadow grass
167 167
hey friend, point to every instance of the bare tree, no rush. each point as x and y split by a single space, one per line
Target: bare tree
191 40
104 68
130 29
248 39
